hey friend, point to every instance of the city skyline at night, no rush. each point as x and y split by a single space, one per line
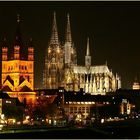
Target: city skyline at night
113 29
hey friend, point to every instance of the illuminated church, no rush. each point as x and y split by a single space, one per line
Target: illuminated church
61 69
18 68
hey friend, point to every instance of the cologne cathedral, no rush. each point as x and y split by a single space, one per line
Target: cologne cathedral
61 69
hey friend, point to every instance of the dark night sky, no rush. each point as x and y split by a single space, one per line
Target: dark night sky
113 28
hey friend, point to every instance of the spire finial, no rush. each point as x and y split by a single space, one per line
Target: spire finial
88 57
68 30
106 62
31 42
18 40
54 36
4 41
88 52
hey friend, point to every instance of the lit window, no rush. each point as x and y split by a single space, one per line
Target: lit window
58 50
8 102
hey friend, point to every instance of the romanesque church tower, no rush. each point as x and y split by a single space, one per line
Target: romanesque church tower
18 67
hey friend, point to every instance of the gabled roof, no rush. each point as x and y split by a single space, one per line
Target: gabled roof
9 79
99 69
93 69
21 79
25 89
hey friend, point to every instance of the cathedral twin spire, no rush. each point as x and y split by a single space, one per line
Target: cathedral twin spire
68 38
54 36
68 31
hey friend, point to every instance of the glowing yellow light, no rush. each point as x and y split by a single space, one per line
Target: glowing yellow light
27 117
49 50
102 120
58 50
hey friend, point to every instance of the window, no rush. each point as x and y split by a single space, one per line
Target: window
8 102
83 109
30 66
75 109
87 109
79 109
71 109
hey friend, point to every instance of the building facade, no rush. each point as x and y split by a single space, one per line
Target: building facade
61 69
18 68
136 84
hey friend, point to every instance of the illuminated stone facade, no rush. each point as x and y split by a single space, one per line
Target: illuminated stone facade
61 69
136 85
126 107
18 69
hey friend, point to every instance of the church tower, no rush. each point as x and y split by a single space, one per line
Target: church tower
54 61
87 57
69 50
18 68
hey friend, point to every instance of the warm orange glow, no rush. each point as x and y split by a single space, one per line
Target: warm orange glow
18 75
31 53
4 53
49 50
136 85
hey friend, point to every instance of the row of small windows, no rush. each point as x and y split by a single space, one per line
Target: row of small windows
79 109
21 67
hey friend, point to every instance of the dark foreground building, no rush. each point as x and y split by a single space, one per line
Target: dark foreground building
11 109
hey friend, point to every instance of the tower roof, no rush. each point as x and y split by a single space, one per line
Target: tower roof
68 30
54 35
31 42
18 40
4 43
88 52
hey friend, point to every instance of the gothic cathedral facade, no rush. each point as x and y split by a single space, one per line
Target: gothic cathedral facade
61 69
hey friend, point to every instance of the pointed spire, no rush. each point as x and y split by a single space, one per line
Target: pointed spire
54 36
88 57
18 41
4 43
88 52
106 62
68 30
31 42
